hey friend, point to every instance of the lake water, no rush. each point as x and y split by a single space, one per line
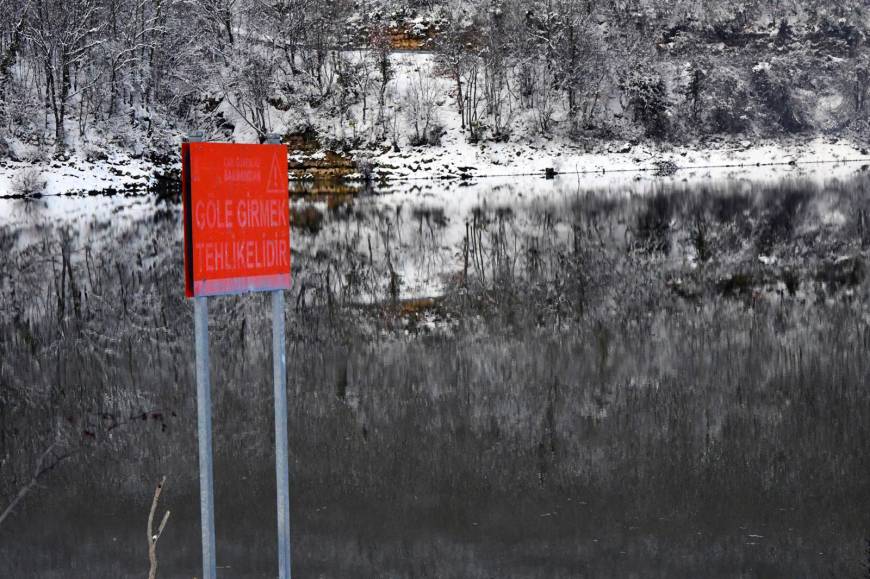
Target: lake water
593 376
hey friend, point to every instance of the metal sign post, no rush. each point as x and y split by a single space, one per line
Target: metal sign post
282 458
237 240
203 433
203 417
282 466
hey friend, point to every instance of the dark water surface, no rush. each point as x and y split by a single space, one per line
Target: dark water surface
661 378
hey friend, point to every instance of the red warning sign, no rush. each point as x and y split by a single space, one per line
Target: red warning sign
236 218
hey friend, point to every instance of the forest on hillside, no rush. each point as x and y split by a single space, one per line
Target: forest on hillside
85 75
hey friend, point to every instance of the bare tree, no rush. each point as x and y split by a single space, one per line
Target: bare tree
563 36
496 54
248 86
219 18
134 29
323 34
363 80
11 31
473 98
862 83
420 105
381 48
544 97
63 34
453 47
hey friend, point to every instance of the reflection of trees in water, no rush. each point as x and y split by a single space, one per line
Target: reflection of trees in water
571 361
24 209
435 249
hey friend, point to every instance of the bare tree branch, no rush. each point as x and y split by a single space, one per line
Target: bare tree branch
43 467
153 536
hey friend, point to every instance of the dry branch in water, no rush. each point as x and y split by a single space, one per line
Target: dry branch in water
152 536
40 470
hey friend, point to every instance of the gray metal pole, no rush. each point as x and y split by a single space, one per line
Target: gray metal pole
203 423
282 466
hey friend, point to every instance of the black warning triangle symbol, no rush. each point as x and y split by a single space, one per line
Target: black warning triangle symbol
274 180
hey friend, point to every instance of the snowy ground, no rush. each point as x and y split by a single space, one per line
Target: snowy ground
493 162
456 157
119 172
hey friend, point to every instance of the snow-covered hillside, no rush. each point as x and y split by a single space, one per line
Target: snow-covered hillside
428 89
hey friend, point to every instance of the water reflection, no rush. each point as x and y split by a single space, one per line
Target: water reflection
651 379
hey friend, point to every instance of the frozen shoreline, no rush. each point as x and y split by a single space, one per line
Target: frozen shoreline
119 172
459 159
456 160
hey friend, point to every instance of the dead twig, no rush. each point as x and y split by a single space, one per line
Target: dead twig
152 536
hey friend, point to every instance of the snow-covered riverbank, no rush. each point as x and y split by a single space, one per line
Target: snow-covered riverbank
72 176
456 158
459 160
